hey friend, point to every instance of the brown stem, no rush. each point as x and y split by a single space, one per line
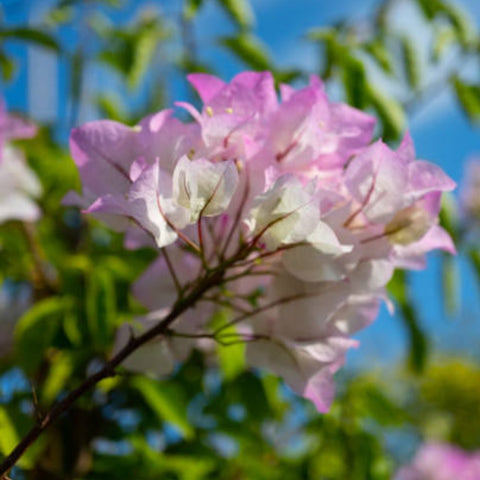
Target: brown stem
209 280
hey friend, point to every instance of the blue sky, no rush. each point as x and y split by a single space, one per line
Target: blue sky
440 131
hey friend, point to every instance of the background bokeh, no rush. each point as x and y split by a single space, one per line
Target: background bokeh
413 63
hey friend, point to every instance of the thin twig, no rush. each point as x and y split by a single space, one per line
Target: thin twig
173 274
210 280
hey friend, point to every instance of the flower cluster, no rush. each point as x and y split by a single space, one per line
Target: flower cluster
287 199
18 184
437 461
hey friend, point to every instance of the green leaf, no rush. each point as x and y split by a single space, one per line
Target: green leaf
378 406
231 356
449 216
240 11
60 371
418 348
167 401
31 35
461 23
411 62
191 8
248 390
379 52
390 112
77 62
469 98
354 81
35 331
323 34
430 7
9 436
455 15
101 306
444 37
111 106
248 49
7 67
475 259
450 284
144 51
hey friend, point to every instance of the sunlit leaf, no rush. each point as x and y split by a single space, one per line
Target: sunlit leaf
248 49
354 81
60 371
144 51
7 67
444 37
240 11
167 401
411 62
30 35
418 343
379 52
9 436
461 22
390 111
469 98
191 8
450 284
35 331
101 306
230 349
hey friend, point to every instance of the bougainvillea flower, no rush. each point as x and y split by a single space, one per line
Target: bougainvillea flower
19 186
277 208
442 461
13 127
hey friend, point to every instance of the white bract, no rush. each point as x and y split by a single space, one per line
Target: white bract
204 187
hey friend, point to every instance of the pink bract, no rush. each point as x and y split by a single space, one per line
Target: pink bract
323 214
440 461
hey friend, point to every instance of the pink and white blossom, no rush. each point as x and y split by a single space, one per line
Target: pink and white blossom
441 461
19 186
303 219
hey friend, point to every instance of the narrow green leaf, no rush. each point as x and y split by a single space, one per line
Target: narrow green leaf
390 112
248 49
444 37
31 35
449 216
450 284
469 98
8 434
35 331
7 67
461 22
60 371
474 256
327 40
111 106
418 344
231 356
430 7
411 62
144 52
191 8
379 52
321 34
167 401
378 406
101 306
354 81
240 11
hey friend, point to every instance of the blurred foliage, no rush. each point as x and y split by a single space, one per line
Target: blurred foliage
215 421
